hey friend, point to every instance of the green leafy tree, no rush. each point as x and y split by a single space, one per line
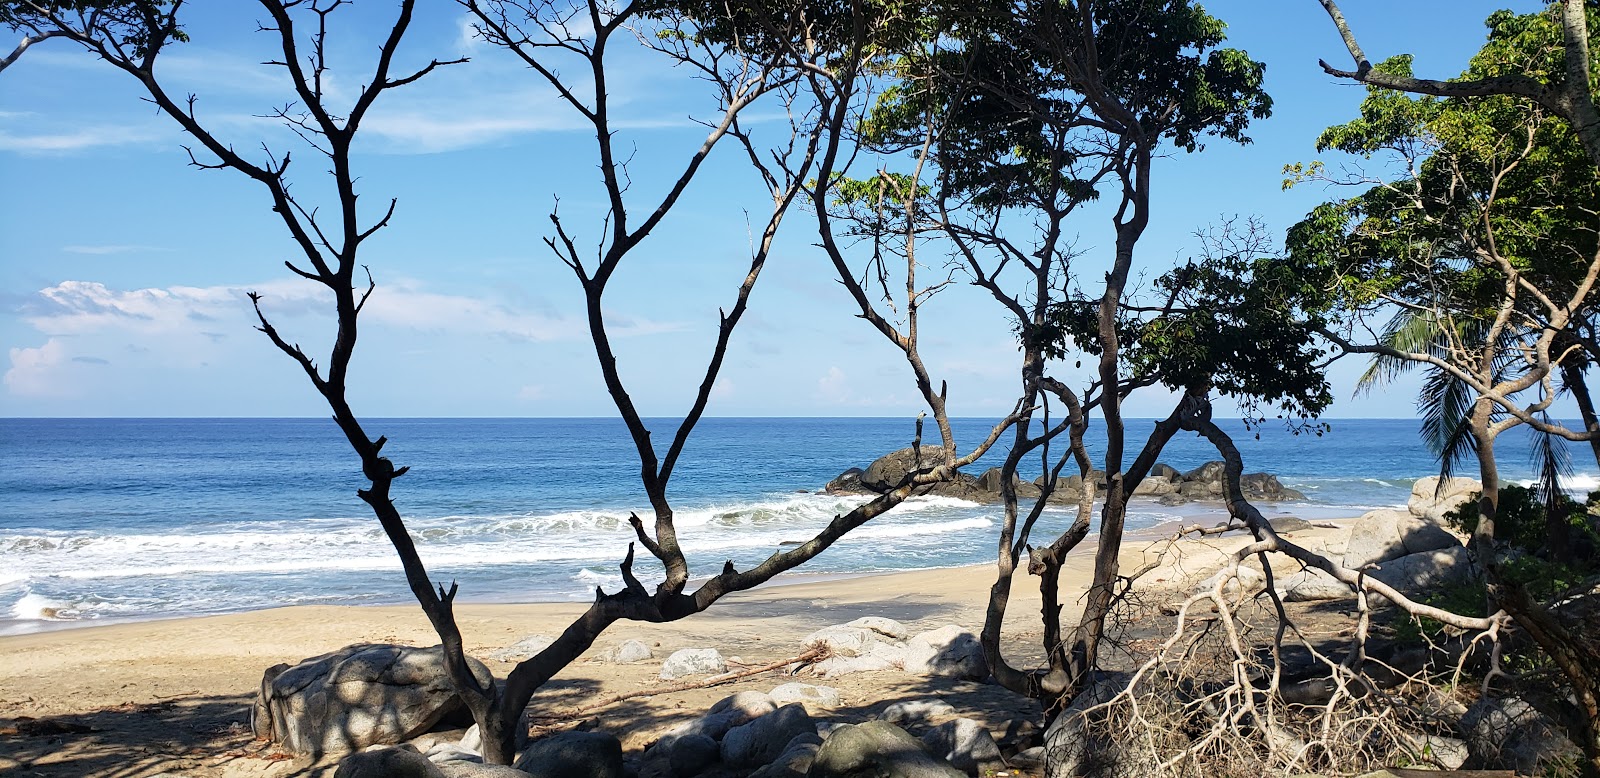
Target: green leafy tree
1482 251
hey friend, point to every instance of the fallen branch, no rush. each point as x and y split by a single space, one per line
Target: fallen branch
814 654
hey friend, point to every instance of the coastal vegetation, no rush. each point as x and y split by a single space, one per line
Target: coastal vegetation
923 146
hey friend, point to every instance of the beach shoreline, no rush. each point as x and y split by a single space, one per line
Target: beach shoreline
173 695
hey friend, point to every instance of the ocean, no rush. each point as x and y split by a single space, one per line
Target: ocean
119 519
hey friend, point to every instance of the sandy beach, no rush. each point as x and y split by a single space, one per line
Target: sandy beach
172 697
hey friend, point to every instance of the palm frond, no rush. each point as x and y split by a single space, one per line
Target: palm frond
1407 330
1552 462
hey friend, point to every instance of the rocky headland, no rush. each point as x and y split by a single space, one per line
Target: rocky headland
1165 484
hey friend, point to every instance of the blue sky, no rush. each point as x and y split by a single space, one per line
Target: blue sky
123 271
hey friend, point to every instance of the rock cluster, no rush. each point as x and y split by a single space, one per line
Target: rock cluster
875 643
1165 483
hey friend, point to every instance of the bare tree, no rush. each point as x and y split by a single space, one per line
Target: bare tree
330 245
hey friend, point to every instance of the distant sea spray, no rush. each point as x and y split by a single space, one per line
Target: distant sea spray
114 519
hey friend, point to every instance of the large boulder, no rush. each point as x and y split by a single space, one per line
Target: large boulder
573 754
360 695
876 749
1208 473
1069 743
795 761
1311 585
946 652
888 628
917 713
844 640
965 744
1508 731
762 740
1154 486
729 712
526 648
387 763
989 483
886 472
848 482
1432 498
693 661
1385 534
475 770
628 652
1266 488
1419 573
813 696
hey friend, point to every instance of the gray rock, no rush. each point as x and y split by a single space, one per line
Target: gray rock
888 628
1208 473
1068 742
818 696
762 740
387 763
990 481
472 739
946 652
1311 585
876 749
1247 578
1508 731
887 471
526 648
1154 487
1287 524
796 759
1446 753
357 696
1163 470
691 754
749 705
628 652
917 713
882 657
475 770
450 752
965 744
1262 486
1416 573
693 661
727 713
848 482
845 640
1431 501
1387 534
573 755
1028 757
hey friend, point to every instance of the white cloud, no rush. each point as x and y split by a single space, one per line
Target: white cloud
531 393
83 307
834 387
77 140
36 372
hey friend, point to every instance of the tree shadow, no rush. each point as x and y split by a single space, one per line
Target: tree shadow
130 740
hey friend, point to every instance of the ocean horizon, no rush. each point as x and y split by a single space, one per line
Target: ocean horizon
105 520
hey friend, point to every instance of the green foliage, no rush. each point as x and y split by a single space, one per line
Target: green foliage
1479 174
1520 524
1016 114
1240 324
137 26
